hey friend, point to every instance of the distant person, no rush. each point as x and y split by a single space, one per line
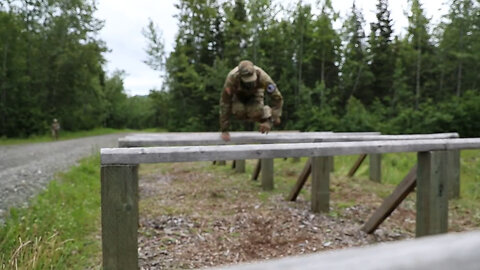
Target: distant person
55 129
243 96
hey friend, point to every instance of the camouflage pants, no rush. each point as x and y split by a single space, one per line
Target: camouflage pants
253 109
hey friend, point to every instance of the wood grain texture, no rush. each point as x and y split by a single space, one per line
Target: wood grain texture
119 200
320 199
267 174
231 152
190 139
375 168
432 194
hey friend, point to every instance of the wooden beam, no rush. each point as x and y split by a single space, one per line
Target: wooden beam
230 152
256 171
357 164
267 174
302 179
320 198
443 252
188 139
375 168
119 200
392 202
432 193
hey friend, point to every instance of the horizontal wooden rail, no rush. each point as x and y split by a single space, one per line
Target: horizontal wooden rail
444 252
257 138
231 152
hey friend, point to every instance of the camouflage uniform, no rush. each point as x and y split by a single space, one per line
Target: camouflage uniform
55 129
243 96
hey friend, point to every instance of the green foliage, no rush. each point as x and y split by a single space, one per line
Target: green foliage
57 231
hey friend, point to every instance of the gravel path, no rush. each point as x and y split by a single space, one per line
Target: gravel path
26 169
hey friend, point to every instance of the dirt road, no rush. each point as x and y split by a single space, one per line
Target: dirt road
26 169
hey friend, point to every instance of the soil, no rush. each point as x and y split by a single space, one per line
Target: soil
195 215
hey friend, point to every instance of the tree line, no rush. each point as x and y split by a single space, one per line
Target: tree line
52 66
424 79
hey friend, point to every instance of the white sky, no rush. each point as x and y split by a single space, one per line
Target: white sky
125 19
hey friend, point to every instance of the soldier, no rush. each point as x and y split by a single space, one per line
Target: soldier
243 96
55 129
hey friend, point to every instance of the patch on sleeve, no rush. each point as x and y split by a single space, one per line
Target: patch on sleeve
227 89
271 88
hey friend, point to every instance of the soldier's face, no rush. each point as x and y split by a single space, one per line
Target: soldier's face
248 85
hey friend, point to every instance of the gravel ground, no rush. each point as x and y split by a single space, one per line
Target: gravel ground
26 169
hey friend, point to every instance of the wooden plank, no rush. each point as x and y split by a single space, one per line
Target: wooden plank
230 152
375 168
168 139
240 166
432 196
256 171
119 200
320 198
392 202
442 252
302 179
453 174
267 174
357 164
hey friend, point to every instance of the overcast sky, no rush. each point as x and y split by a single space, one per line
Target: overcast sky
125 19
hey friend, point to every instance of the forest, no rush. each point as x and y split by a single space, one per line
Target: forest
331 73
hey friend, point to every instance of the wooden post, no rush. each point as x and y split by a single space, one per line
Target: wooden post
267 174
257 170
376 167
392 202
119 191
320 184
240 166
357 164
302 179
432 196
453 174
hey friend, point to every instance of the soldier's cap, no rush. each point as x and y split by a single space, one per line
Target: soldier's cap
247 71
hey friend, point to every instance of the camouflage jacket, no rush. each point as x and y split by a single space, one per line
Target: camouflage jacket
233 87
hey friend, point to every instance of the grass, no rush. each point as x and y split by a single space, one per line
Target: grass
67 135
60 229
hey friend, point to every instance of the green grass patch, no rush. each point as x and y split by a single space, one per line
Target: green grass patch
61 227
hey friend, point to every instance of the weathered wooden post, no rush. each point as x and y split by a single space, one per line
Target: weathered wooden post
453 179
376 167
267 173
240 166
119 198
432 193
320 198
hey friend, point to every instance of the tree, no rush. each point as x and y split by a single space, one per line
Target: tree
355 73
381 54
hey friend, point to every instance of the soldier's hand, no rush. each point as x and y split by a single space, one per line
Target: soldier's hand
277 121
265 127
226 136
